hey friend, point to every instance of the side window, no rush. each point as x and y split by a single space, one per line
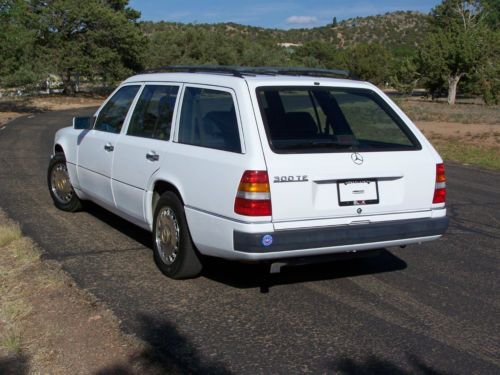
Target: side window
208 119
152 117
112 115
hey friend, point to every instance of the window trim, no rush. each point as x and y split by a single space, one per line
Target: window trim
378 99
136 100
229 90
127 116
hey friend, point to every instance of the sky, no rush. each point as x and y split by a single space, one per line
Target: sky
282 14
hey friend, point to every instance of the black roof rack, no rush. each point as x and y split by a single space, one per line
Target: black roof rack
221 69
240 71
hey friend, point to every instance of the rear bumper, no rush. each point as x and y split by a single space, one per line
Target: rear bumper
349 236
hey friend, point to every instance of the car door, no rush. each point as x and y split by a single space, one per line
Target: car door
139 152
96 147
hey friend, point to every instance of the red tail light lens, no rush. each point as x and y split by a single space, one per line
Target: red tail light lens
251 207
440 188
254 196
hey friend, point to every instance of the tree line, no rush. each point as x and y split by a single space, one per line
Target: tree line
98 39
103 41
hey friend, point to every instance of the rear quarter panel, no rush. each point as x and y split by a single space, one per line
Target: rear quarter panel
208 179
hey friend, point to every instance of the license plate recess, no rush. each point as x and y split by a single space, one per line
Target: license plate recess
357 192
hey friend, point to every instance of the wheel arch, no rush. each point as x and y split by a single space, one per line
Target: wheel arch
65 142
159 186
58 149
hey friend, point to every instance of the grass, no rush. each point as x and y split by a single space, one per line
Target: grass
11 312
44 320
463 146
24 251
11 340
484 157
21 278
17 253
15 310
426 110
8 234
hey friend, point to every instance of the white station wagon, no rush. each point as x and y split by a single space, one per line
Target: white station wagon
253 164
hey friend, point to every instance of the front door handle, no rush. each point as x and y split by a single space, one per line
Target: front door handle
152 156
109 147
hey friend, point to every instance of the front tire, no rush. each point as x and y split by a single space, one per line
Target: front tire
174 250
60 187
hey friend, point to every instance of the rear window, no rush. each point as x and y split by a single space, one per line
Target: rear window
318 119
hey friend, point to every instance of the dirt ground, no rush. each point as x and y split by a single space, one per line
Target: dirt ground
5 117
487 135
49 326
54 103
464 112
11 108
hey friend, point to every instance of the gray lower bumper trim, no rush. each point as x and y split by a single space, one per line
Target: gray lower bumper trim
298 239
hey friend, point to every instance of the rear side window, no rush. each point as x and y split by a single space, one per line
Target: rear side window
152 117
208 119
112 115
315 119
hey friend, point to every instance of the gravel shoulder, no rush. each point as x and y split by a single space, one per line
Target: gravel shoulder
47 324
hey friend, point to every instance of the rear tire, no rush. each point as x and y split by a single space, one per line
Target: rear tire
174 251
60 187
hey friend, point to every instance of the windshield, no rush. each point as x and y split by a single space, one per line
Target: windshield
319 119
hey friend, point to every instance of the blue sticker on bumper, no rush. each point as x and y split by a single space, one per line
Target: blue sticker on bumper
267 240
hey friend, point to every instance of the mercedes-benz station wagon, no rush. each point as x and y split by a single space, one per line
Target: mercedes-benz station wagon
253 164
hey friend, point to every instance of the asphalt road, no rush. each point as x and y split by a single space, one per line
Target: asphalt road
433 308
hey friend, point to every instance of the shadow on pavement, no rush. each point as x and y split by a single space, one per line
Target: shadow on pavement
244 276
131 230
257 275
18 105
167 352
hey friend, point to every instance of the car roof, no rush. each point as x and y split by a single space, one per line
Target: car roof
229 80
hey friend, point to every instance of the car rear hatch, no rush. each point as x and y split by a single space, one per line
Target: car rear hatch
341 153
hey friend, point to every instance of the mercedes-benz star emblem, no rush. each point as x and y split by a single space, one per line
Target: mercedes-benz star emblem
357 158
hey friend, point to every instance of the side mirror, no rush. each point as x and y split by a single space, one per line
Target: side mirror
83 123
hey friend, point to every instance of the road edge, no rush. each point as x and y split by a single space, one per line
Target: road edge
26 343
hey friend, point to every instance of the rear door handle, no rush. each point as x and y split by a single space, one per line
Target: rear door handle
152 156
109 147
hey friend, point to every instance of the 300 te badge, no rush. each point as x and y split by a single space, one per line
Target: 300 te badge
283 179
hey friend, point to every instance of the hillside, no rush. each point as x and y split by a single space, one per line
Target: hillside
397 30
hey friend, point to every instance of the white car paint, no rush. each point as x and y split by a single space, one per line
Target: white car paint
207 180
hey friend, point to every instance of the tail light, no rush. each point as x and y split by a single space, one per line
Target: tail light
440 189
254 196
